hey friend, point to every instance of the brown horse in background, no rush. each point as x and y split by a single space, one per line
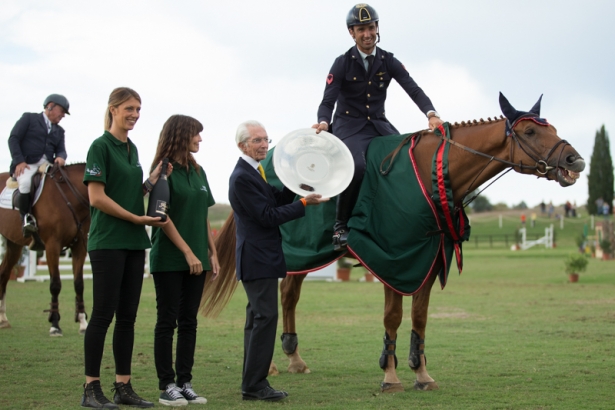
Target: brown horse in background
480 150
63 216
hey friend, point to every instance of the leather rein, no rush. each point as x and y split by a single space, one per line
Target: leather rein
63 177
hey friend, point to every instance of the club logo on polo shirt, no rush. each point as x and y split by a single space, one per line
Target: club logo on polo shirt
94 171
203 188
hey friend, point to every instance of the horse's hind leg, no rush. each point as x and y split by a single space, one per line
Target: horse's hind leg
416 358
393 314
290 290
78 252
13 251
52 253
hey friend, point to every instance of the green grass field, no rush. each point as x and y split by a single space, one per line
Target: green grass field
509 333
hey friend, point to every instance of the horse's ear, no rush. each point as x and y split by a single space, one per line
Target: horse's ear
508 110
536 108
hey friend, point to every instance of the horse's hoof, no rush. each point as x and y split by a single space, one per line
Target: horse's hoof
55 332
425 386
299 369
5 324
391 387
273 370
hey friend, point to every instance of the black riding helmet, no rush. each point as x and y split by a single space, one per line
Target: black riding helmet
59 100
362 13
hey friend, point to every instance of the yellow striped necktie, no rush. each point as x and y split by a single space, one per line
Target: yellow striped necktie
262 172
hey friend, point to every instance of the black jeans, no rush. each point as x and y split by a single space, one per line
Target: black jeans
117 281
178 296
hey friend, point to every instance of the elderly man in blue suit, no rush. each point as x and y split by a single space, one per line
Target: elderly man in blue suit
36 139
259 210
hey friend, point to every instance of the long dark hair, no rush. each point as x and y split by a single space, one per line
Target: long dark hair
174 141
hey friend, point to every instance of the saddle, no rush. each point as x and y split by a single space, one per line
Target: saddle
36 182
37 243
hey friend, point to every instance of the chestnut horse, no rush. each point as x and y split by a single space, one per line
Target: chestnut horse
63 216
479 151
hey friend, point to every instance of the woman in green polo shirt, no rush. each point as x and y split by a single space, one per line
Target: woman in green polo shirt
181 251
117 243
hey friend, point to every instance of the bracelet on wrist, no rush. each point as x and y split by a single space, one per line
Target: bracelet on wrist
303 201
148 185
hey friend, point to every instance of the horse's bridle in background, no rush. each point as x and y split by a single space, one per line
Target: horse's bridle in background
84 202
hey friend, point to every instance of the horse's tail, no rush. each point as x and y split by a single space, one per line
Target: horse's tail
218 293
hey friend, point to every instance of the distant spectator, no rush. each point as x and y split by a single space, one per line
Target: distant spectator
599 204
573 210
533 219
605 210
567 208
543 207
523 219
551 209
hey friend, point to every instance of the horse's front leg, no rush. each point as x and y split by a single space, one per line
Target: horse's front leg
78 256
416 358
11 257
290 290
52 253
393 314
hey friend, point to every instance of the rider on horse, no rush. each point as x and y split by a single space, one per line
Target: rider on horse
36 139
358 83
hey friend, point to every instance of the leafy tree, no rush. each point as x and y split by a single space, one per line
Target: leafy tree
600 178
481 204
521 205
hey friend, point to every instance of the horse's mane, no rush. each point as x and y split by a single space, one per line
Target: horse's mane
479 122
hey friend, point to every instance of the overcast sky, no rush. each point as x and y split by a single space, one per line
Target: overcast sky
224 62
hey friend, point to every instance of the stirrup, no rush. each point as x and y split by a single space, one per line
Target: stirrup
29 225
340 239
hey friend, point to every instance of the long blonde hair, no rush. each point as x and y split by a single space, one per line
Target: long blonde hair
174 141
118 96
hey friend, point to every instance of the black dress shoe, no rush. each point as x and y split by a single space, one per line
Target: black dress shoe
267 394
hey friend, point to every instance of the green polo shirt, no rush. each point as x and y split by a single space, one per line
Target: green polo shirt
188 207
111 162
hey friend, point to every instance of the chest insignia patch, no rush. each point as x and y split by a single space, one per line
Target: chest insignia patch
329 78
381 73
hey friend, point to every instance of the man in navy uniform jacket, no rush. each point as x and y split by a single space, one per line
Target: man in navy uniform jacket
358 83
259 210
36 139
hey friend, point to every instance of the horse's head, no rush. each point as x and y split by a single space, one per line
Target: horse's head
542 152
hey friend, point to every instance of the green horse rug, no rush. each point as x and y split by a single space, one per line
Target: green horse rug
398 230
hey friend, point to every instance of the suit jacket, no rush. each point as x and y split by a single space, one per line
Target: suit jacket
360 96
259 211
29 140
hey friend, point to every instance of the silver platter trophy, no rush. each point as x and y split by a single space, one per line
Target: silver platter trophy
307 163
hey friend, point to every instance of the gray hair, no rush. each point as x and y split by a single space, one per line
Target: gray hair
243 133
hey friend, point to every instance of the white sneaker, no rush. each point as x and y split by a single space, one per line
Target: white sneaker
191 396
172 396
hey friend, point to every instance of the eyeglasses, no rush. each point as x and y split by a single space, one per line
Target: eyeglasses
259 140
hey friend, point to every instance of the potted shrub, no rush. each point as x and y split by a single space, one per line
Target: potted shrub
606 249
575 264
343 269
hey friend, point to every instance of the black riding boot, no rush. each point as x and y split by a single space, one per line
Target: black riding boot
345 203
29 224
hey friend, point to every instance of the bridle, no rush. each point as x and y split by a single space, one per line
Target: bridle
541 166
63 177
